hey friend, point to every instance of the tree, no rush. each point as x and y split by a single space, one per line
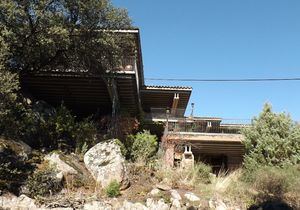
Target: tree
9 106
62 34
272 139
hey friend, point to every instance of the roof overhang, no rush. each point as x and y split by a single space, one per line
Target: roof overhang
162 97
86 92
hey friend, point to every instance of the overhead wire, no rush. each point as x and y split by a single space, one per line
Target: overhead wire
225 80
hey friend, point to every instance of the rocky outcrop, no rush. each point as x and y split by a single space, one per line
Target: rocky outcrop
20 149
61 166
22 202
106 163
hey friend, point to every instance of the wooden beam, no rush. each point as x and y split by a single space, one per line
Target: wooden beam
175 103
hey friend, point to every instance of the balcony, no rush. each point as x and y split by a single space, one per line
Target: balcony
188 125
126 65
177 123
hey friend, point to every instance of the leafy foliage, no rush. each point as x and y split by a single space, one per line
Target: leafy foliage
273 139
271 183
144 146
203 171
11 108
139 147
55 35
113 189
63 131
13 170
62 34
43 182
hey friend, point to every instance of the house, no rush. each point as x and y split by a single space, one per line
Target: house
88 93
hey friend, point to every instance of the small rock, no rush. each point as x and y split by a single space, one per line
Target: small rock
191 208
132 206
155 192
175 194
220 205
217 204
163 187
154 205
97 205
175 203
191 197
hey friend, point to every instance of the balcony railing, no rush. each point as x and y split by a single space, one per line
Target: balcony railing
178 123
203 126
126 64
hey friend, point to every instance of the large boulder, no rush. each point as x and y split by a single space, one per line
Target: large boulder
106 163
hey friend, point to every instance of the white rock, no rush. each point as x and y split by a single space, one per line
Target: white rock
12 202
155 192
175 194
175 203
106 163
59 164
132 206
191 197
217 204
97 205
154 205
220 205
22 203
163 187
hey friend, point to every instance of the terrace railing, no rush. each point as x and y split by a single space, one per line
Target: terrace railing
126 64
197 126
178 123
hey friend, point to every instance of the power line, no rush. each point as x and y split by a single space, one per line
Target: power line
226 80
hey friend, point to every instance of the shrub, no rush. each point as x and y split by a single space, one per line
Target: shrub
124 151
84 135
275 181
144 146
43 182
203 171
58 128
113 189
272 139
13 170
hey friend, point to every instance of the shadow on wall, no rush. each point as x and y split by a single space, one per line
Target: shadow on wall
271 205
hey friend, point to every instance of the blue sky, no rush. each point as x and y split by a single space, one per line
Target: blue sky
220 39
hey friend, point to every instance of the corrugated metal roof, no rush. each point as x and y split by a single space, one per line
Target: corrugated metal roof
162 87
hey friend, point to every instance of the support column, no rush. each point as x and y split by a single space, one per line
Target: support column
169 154
113 94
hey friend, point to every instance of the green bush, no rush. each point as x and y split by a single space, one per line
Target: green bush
271 140
271 183
113 189
203 171
144 146
57 129
13 170
43 182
